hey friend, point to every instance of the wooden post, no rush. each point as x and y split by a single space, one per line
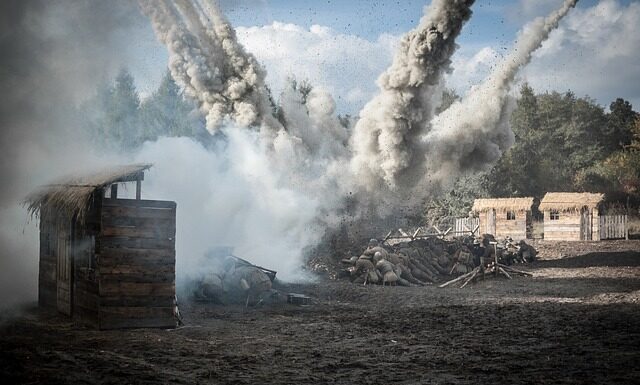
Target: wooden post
114 191
138 189
626 227
595 225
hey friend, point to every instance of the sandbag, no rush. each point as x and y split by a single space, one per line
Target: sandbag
384 266
389 277
364 265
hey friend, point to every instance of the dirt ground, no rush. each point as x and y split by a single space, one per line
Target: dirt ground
576 321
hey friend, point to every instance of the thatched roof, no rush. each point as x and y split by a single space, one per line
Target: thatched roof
502 204
72 195
570 201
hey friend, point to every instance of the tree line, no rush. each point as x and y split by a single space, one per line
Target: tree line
562 142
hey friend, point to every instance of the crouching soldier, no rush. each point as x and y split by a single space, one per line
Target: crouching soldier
526 252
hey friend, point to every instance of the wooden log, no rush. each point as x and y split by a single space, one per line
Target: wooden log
470 279
512 270
460 278
500 269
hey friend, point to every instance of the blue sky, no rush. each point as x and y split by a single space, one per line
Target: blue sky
492 20
594 52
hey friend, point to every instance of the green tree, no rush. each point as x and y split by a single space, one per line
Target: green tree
167 113
617 133
517 172
112 115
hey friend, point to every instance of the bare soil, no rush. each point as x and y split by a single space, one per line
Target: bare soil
577 321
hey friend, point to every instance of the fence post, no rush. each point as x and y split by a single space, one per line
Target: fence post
626 227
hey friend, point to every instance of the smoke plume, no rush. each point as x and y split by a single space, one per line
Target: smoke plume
385 138
209 64
398 151
52 54
474 132
271 186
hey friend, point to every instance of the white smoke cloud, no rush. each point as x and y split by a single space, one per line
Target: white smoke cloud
53 54
231 197
345 65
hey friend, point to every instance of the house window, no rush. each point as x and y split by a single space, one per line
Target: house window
554 215
511 215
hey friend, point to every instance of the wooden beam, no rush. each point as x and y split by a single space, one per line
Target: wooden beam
132 177
138 189
114 191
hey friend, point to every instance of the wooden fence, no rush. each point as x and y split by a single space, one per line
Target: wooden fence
466 226
614 227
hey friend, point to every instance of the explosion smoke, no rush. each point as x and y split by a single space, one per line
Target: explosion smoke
473 133
206 60
385 138
397 152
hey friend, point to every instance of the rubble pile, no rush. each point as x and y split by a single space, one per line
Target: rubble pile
431 260
226 278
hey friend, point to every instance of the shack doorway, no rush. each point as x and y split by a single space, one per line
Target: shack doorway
63 274
585 224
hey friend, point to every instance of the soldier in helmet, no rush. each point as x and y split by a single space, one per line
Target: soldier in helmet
526 252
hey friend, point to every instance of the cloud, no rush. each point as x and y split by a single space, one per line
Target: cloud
524 10
471 68
346 65
594 52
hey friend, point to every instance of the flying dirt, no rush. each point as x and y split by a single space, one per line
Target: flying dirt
396 153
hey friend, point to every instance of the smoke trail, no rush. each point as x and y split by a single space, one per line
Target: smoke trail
209 64
397 149
385 137
189 65
474 132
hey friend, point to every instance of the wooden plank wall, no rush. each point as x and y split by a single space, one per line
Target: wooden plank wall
614 227
566 228
520 228
515 228
48 264
136 264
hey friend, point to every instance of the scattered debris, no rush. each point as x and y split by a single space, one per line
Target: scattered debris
230 279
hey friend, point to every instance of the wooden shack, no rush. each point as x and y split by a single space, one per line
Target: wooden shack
106 261
505 217
571 216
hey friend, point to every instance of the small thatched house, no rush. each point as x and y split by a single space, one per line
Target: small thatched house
505 217
105 261
571 216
